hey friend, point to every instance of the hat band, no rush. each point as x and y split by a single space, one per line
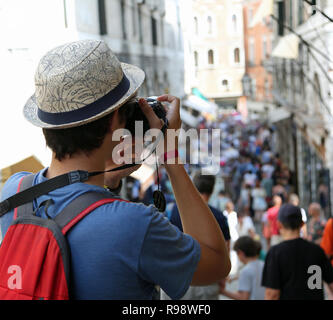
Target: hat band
89 110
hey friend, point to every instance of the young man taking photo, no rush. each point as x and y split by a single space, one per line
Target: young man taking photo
121 250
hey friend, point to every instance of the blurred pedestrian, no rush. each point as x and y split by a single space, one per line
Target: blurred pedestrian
272 218
259 204
289 265
294 200
245 226
316 224
249 283
327 240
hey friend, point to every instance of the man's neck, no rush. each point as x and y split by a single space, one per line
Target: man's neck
290 234
83 162
250 259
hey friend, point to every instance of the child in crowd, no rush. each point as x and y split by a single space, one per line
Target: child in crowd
249 285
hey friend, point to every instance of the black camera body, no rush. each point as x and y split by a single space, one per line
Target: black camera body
135 114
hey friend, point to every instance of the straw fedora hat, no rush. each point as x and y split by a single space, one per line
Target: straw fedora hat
80 82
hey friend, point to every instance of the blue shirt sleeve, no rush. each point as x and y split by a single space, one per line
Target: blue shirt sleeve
8 190
168 257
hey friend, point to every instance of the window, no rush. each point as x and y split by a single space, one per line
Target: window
300 11
225 84
210 24
236 55
196 25
123 19
251 51
153 31
234 23
101 17
140 24
133 19
211 57
266 87
254 88
250 16
264 48
196 58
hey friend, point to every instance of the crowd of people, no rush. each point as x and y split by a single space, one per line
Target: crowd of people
256 184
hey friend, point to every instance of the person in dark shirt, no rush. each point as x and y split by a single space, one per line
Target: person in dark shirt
295 269
205 185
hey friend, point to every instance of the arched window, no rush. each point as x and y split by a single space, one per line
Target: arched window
210 24
196 58
234 23
237 55
210 56
196 25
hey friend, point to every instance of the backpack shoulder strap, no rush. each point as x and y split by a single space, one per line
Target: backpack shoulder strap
25 209
82 206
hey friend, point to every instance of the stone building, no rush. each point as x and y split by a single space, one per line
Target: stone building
146 33
303 87
258 42
214 46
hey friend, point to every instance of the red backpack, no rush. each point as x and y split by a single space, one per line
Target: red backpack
34 254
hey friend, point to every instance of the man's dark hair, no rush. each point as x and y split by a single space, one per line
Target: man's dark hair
292 223
84 138
251 248
204 183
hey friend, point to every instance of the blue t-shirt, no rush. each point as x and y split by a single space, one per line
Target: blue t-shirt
121 250
219 216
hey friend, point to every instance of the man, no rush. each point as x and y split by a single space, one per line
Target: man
272 218
295 269
121 250
205 185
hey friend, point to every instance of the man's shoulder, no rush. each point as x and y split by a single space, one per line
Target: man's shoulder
11 185
218 213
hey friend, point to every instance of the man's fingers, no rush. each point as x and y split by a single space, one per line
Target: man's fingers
153 119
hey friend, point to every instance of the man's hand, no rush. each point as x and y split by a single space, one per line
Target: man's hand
173 116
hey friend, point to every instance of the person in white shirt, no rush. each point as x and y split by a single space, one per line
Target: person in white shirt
245 226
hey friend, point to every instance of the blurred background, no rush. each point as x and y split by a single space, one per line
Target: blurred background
259 61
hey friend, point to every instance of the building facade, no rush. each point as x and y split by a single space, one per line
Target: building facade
258 42
146 33
303 97
214 46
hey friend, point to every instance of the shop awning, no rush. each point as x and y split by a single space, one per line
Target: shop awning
279 114
200 105
188 118
287 47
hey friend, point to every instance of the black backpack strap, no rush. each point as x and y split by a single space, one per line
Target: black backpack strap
27 208
82 206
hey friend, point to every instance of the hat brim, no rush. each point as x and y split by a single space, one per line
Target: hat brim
135 75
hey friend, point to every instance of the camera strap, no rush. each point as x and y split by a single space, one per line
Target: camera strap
63 180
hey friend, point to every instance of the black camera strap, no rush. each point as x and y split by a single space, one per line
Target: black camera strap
63 180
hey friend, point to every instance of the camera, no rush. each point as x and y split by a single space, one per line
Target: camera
134 113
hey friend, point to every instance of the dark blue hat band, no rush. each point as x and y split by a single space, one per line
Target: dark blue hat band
88 111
